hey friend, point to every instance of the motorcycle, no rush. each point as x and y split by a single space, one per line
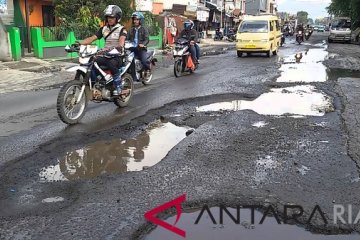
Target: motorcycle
231 36
139 69
183 59
218 35
282 40
307 35
300 37
93 82
311 31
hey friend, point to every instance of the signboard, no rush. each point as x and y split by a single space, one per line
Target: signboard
202 16
143 5
3 7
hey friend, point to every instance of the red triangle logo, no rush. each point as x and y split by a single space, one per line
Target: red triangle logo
150 215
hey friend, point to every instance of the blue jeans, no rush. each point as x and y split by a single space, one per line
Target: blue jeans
195 52
142 55
198 53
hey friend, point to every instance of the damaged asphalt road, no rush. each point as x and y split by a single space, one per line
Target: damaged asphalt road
233 157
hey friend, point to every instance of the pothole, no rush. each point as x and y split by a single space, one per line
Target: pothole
117 155
238 226
335 74
298 100
305 67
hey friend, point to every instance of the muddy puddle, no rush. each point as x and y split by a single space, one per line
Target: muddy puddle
117 155
208 228
298 100
308 68
335 74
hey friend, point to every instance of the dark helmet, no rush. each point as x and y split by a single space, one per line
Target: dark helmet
113 11
188 24
138 15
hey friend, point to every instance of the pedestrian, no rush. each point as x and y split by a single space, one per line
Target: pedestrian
115 35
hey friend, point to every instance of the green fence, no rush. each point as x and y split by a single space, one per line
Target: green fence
40 44
15 43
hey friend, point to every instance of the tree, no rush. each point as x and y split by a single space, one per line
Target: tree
84 16
320 21
310 21
302 17
340 8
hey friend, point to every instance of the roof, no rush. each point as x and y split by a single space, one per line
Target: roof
261 17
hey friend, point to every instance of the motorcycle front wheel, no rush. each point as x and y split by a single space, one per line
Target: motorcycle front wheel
69 111
128 85
178 67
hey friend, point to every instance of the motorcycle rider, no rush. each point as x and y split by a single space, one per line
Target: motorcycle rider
299 28
139 35
115 35
191 34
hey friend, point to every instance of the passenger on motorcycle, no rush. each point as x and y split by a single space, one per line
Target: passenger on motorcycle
300 27
139 35
115 35
191 34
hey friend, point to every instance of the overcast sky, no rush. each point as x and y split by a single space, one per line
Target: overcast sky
315 8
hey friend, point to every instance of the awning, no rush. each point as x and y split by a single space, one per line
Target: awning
203 8
212 6
190 15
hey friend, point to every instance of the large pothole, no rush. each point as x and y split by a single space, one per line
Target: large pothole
216 223
117 155
298 100
305 67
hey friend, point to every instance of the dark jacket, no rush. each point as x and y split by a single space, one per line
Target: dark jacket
189 34
143 35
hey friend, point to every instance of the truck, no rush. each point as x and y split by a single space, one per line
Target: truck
340 30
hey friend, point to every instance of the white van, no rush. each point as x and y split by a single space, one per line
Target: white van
340 30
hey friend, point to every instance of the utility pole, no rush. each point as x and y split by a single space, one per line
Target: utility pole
221 15
27 17
223 2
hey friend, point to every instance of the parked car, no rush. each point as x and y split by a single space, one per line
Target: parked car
321 29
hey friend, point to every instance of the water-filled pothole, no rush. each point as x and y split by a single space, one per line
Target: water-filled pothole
310 68
118 155
209 227
298 100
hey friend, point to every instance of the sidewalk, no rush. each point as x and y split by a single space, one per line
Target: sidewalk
32 73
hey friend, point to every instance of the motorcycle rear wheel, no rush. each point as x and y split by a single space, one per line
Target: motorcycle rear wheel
66 106
128 84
